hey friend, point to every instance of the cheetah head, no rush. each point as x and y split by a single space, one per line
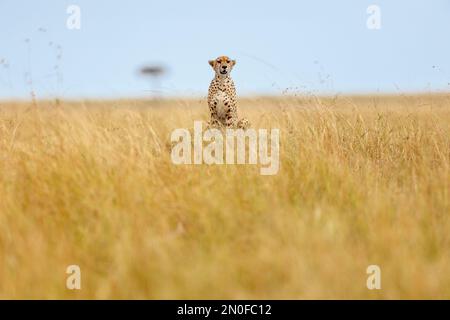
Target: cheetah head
222 65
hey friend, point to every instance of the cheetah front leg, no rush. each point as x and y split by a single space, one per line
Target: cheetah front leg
230 121
231 115
214 122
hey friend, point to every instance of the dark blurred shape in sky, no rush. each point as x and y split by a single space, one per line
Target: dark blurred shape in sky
292 46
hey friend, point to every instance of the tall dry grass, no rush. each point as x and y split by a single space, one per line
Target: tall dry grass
363 180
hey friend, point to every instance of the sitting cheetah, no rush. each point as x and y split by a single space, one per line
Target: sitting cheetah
222 97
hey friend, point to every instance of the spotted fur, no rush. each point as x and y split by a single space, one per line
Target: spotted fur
222 96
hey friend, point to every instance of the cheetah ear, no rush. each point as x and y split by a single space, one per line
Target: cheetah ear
211 63
234 62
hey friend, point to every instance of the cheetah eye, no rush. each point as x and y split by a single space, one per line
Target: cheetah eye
228 61
218 61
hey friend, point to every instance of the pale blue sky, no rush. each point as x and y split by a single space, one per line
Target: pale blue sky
321 46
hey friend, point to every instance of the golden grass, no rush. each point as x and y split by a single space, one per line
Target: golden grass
363 180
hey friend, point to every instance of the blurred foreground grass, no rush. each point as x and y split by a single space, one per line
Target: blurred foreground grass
363 180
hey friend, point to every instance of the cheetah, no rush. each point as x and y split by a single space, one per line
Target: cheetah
222 97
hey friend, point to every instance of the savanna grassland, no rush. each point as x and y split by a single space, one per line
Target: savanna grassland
362 181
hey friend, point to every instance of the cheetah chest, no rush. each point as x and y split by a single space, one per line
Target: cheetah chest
222 100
